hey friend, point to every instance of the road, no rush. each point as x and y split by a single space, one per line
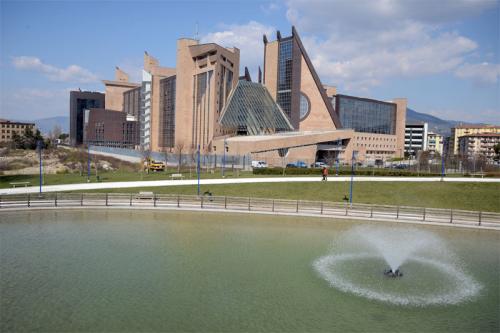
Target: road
159 183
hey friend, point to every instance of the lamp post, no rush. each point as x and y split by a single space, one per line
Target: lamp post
39 146
353 158
443 162
339 149
198 168
224 157
88 163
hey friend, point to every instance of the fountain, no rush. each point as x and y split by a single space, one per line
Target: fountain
433 275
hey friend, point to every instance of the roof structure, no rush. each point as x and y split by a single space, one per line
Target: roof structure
250 109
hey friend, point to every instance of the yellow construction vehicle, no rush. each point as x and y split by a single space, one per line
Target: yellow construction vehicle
153 165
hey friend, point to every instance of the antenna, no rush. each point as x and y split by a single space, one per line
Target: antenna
196 31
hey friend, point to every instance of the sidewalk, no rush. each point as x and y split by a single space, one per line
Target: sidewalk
158 183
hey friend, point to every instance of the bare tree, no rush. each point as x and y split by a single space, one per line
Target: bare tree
146 156
330 158
55 132
179 147
165 155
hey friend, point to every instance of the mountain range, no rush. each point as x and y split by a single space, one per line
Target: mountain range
436 124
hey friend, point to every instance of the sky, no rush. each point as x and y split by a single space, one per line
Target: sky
441 55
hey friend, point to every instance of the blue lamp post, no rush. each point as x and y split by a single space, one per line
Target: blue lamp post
353 159
88 163
224 158
39 146
198 168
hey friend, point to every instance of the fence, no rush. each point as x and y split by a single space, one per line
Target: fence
321 208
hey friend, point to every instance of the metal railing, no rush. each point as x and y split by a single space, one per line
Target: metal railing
321 208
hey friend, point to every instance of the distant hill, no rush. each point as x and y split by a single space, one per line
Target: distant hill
436 124
45 125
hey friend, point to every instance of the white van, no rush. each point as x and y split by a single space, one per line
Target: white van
259 164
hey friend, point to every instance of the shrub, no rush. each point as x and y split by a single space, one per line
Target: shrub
344 172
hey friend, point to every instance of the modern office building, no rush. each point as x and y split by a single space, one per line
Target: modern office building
79 101
435 143
415 138
461 130
8 128
478 145
288 113
292 81
378 126
111 129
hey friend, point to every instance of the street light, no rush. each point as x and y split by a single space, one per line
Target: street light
39 146
224 157
198 168
88 163
353 158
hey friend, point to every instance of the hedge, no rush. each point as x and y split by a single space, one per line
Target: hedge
359 172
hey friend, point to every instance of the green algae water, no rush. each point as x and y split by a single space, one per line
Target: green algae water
135 270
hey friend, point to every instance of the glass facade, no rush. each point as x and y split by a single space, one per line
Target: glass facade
167 112
284 97
367 116
251 110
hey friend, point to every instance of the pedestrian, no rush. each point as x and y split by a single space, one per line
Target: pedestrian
324 172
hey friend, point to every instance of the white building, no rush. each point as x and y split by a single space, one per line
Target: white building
415 138
435 143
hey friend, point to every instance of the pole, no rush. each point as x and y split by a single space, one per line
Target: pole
224 158
198 169
339 146
88 163
352 177
39 144
442 163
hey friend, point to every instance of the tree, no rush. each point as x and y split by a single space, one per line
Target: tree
55 132
330 158
496 148
146 156
179 147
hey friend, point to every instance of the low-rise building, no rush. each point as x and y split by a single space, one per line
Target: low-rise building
415 138
475 145
435 143
461 130
8 128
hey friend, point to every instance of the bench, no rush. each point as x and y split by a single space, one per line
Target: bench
14 184
145 195
176 176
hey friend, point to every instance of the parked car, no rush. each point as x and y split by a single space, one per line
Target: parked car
298 164
259 164
319 165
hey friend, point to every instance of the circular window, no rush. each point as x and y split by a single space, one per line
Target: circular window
304 106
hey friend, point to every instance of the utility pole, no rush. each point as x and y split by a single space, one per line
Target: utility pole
39 146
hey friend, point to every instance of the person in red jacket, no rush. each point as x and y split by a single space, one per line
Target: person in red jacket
324 172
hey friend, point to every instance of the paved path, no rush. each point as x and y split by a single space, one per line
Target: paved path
155 183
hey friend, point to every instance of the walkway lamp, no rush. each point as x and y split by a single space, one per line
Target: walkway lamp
198 168
88 163
39 145
224 157
353 160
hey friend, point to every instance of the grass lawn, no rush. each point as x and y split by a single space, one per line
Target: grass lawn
114 176
468 196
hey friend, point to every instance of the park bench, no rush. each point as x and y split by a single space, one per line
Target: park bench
145 195
176 176
14 184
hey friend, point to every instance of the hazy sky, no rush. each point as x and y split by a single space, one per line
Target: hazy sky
443 55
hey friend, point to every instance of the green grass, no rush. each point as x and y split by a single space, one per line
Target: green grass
113 176
468 196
